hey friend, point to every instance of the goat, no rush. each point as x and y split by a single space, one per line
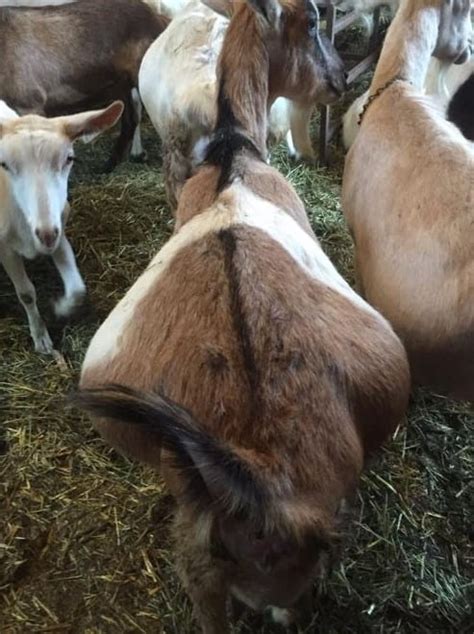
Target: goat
36 156
365 9
442 81
461 108
64 59
252 375
177 83
408 190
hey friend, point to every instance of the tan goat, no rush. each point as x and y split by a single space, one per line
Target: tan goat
408 195
36 156
264 380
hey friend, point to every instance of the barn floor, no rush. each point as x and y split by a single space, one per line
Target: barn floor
84 544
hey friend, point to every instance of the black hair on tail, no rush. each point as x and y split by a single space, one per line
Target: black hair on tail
214 473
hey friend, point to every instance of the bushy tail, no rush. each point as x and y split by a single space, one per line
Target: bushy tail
213 473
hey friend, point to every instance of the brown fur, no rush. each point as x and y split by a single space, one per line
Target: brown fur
299 383
408 195
65 59
293 71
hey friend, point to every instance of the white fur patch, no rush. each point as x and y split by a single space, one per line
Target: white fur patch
106 342
307 252
248 209
282 616
6 112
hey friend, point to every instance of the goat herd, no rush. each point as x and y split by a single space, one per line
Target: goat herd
240 363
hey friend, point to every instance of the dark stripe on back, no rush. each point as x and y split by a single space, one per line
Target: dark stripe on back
229 242
226 141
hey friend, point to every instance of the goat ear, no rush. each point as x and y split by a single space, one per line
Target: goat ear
222 7
88 125
212 473
270 10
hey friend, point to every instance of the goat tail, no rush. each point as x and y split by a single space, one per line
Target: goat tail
212 472
163 421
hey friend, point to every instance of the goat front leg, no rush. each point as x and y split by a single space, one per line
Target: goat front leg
137 153
74 287
15 268
298 138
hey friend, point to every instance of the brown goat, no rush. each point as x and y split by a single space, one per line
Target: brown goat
65 59
256 379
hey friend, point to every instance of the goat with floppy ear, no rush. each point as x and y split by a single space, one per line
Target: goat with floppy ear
241 364
36 156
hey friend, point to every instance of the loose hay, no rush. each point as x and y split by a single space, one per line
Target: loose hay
84 545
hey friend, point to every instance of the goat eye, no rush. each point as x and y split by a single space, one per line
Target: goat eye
312 26
4 166
69 160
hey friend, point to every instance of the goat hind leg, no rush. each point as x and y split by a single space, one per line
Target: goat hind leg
124 141
15 268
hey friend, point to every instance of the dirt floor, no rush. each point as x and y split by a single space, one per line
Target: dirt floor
84 544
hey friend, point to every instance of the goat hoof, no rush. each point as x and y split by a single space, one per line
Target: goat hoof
43 343
282 616
65 306
306 159
139 158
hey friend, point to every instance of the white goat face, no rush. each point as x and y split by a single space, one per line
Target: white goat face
36 155
37 160
455 31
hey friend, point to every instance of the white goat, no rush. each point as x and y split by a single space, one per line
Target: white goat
365 9
178 86
36 156
442 81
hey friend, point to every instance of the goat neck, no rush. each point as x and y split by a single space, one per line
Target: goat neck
244 68
408 46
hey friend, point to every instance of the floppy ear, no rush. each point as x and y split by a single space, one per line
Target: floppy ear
213 473
88 125
270 10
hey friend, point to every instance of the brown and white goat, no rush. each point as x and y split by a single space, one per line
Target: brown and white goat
264 381
36 156
408 196
178 85
65 59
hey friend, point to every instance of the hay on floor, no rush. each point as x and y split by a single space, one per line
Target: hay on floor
84 544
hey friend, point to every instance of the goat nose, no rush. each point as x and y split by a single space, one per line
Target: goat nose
47 237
